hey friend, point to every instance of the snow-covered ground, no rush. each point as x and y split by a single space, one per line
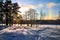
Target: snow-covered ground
42 32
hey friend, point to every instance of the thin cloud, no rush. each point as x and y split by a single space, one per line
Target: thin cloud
30 6
25 8
40 5
50 5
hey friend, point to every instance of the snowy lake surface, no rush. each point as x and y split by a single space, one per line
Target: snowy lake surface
42 32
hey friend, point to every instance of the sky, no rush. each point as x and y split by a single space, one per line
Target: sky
50 7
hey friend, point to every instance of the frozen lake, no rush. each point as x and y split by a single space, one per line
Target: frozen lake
31 33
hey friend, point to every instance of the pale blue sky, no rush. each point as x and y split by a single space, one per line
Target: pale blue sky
47 4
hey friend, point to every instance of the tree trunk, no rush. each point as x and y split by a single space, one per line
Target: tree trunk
6 19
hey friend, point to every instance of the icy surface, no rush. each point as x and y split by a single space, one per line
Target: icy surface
39 33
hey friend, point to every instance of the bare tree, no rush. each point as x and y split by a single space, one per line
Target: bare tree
59 16
32 15
42 15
